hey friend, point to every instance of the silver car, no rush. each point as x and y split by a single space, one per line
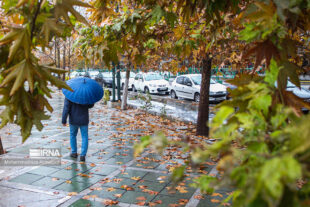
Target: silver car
188 86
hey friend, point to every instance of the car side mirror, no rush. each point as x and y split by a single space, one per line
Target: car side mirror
189 84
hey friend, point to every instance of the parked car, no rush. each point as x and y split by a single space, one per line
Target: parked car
86 74
150 83
104 79
131 79
73 74
300 92
188 86
93 74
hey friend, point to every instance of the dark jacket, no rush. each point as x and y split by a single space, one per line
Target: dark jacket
78 114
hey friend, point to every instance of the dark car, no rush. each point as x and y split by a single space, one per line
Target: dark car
86 74
104 79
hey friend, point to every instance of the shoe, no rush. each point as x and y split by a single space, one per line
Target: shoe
74 155
82 158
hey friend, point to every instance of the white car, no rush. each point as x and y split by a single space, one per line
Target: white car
93 74
131 79
151 82
73 74
188 86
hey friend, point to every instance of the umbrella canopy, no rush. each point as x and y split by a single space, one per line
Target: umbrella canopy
85 91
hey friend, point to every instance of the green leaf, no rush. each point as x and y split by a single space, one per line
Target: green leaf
272 74
221 116
178 174
261 102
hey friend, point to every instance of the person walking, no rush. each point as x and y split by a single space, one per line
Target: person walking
81 95
78 119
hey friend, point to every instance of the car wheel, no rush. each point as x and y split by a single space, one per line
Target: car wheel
134 88
146 90
173 94
197 97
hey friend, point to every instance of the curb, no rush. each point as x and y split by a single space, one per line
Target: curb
169 117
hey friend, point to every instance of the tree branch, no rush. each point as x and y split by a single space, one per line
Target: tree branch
35 18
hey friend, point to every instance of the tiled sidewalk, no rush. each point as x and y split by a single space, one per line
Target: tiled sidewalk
110 176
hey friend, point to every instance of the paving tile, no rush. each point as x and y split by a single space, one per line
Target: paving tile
107 193
119 183
102 170
48 182
117 161
43 170
65 174
84 203
157 177
26 178
131 197
181 190
164 201
132 173
73 187
143 185
214 200
12 197
98 159
86 178
145 164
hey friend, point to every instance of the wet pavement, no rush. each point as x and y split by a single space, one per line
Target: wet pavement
111 176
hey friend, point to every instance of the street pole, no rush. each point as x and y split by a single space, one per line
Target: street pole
1 147
113 82
118 79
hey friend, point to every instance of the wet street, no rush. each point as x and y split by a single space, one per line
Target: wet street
111 176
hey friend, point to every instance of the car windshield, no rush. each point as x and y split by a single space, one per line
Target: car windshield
196 79
107 75
153 76
132 75
290 85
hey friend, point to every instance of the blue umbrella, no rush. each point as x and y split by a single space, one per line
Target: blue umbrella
85 91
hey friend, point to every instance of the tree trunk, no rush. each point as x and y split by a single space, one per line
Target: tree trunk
69 57
64 61
203 111
55 45
125 89
58 56
1 147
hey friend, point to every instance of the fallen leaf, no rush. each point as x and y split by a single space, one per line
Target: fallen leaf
141 203
111 189
217 194
183 201
68 181
141 198
72 193
215 201
135 178
109 202
118 195
86 197
199 197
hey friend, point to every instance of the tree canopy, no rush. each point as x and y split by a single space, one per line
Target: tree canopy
262 145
